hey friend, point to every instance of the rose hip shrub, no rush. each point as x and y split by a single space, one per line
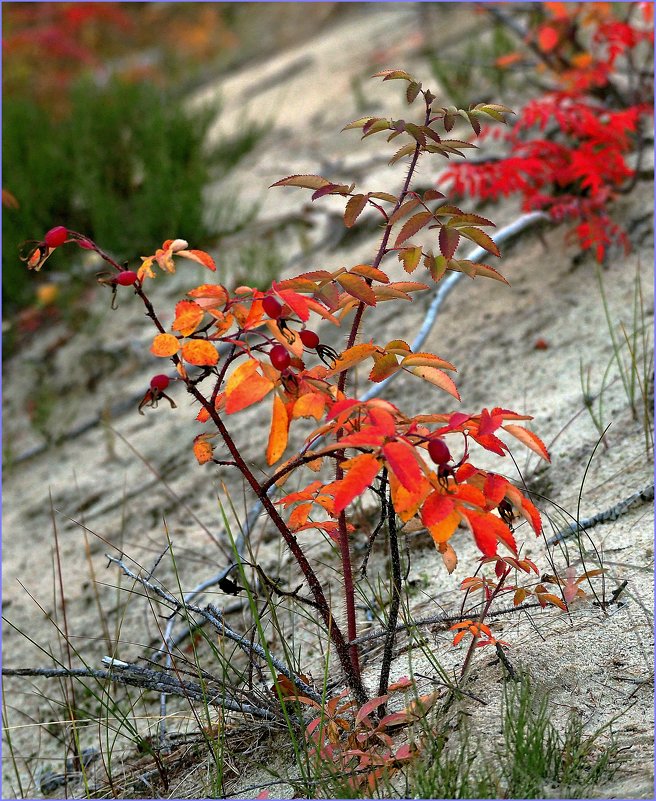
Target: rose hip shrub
233 349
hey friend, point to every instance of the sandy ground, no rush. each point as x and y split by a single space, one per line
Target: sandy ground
129 482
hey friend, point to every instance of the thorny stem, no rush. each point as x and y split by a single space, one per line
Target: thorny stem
345 552
395 600
341 646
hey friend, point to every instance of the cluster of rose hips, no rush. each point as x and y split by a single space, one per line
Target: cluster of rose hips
278 354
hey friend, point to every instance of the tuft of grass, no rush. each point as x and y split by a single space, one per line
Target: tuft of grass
633 358
536 759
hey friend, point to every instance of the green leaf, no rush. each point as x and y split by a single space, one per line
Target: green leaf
410 258
375 125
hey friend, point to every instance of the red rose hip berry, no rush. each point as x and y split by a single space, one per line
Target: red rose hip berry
272 307
309 338
56 236
280 358
438 451
126 278
159 382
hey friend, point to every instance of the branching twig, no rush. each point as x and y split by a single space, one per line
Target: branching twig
214 616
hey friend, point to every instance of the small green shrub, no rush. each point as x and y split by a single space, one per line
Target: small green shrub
124 163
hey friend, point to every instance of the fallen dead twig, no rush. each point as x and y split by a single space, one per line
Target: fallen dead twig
149 679
643 496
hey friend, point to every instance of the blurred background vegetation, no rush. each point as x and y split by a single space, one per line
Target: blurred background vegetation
96 136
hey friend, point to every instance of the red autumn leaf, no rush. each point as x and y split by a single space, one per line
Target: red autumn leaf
412 226
402 460
487 530
548 38
448 240
360 473
297 303
436 507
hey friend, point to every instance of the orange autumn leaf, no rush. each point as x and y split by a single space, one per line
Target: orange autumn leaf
360 473
406 503
529 439
246 387
351 357
202 449
278 432
449 556
188 316
357 288
444 530
209 295
200 352
312 404
165 345
438 378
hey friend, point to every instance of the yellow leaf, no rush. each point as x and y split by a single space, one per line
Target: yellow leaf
200 352
165 345
384 367
350 357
